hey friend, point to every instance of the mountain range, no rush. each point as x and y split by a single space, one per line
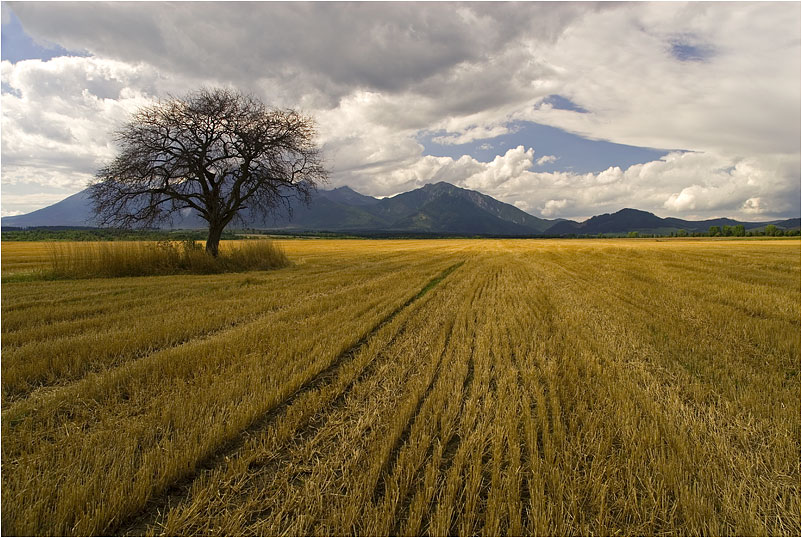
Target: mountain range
439 208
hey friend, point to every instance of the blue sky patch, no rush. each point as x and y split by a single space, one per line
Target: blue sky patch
561 103
573 153
6 88
17 45
685 51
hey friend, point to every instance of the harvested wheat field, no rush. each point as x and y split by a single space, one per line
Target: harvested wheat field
417 387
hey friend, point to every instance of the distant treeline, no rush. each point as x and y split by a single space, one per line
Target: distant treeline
714 231
719 231
738 231
58 233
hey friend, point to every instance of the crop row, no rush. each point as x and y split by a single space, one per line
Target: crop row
576 398
430 387
82 458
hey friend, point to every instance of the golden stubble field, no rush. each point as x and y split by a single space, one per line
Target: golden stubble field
432 387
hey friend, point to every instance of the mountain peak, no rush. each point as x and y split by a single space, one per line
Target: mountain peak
433 208
441 186
631 211
347 195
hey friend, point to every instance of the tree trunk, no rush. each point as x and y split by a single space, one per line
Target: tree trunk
213 240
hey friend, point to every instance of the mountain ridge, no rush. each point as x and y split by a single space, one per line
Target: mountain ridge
435 208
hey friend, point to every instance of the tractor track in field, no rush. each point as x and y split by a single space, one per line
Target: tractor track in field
452 444
160 503
10 399
380 487
404 503
46 390
318 419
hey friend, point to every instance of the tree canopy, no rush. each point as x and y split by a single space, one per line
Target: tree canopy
217 152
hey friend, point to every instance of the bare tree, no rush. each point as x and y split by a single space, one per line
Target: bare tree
216 152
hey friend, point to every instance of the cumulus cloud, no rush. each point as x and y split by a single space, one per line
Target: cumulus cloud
753 206
744 98
697 185
554 207
473 133
693 185
719 80
380 47
466 172
59 116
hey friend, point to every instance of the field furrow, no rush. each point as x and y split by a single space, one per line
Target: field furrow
243 374
326 389
278 469
444 387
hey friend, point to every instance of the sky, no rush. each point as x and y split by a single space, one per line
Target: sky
565 110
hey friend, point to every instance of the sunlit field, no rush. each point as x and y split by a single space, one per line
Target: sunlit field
71 259
431 387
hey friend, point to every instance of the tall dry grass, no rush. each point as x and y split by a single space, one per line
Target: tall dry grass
208 389
540 388
145 258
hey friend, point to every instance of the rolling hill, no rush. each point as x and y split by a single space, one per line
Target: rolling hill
634 220
433 208
439 208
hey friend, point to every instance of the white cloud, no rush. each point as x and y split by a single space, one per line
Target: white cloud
57 123
546 159
378 77
18 204
465 171
743 99
693 185
471 134
502 169
554 208
753 206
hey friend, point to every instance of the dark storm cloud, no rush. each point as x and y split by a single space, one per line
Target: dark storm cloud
387 47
